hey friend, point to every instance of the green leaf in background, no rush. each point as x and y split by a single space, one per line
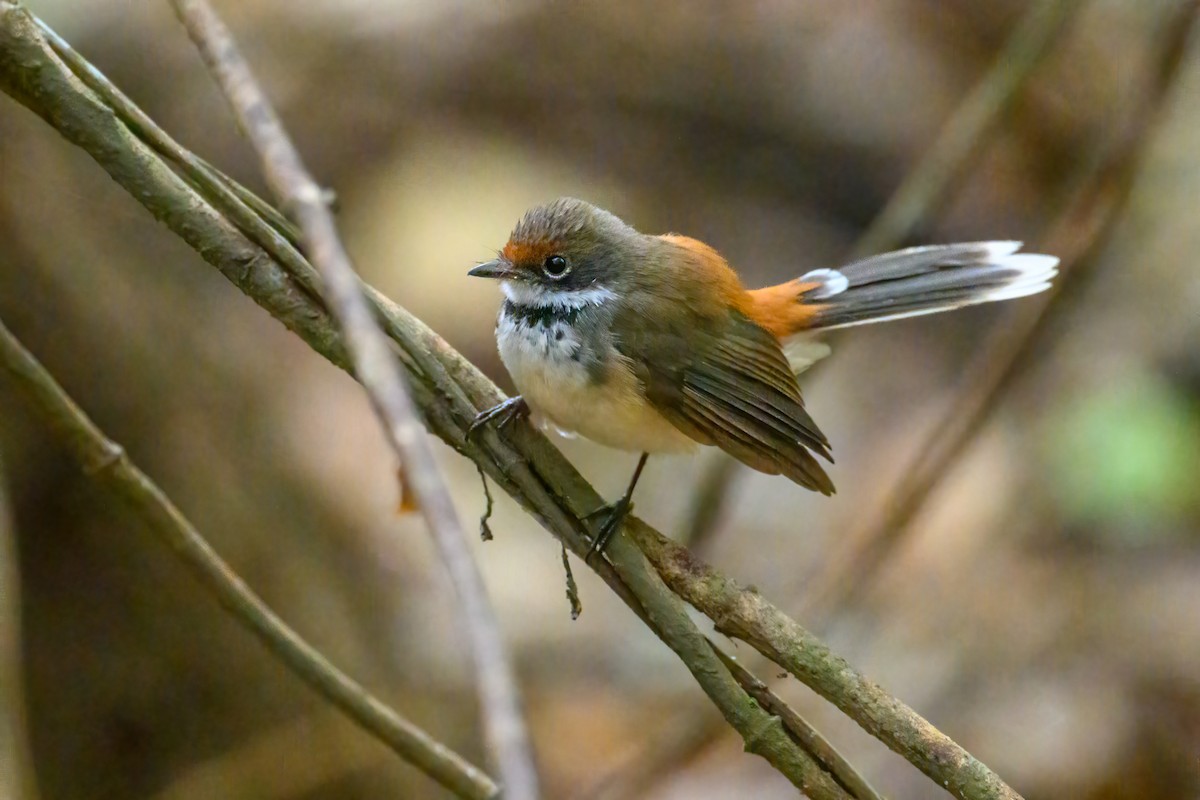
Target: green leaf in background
1128 459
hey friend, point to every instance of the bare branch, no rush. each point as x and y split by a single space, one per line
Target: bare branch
805 734
299 194
106 462
763 732
748 616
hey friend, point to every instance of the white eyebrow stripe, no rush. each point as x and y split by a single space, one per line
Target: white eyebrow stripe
533 295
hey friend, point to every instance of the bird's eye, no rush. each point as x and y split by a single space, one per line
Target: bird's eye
555 267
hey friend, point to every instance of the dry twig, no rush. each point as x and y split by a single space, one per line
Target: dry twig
375 367
106 462
746 615
808 737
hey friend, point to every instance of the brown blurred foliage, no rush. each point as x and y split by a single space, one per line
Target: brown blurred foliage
1046 613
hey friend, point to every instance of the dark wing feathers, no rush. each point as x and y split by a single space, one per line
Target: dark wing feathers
741 435
739 354
780 414
754 353
730 385
717 428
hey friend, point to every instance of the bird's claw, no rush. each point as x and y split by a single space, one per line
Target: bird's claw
614 516
506 411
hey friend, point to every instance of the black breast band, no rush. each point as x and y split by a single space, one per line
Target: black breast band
545 316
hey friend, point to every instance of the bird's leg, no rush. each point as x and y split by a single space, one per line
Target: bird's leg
616 513
506 411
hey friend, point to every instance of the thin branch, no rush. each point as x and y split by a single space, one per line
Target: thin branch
694 733
1076 237
805 734
375 367
265 226
748 616
107 463
763 732
446 386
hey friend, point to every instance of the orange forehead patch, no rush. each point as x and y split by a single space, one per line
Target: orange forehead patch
528 252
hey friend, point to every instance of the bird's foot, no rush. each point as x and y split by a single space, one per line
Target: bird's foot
611 518
505 412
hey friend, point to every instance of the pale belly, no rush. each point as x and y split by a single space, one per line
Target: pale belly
559 391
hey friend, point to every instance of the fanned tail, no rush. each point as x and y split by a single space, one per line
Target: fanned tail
922 280
904 283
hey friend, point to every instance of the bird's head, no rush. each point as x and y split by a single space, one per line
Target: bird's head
566 252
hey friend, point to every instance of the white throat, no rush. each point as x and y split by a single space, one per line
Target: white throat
532 295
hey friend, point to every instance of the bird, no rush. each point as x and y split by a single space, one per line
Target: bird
651 344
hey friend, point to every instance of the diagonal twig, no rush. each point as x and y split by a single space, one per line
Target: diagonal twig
748 616
800 729
107 463
299 194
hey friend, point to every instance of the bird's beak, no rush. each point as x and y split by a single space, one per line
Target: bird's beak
497 269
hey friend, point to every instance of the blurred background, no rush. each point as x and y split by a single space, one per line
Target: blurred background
1043 609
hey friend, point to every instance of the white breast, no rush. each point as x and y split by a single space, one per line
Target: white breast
548 365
